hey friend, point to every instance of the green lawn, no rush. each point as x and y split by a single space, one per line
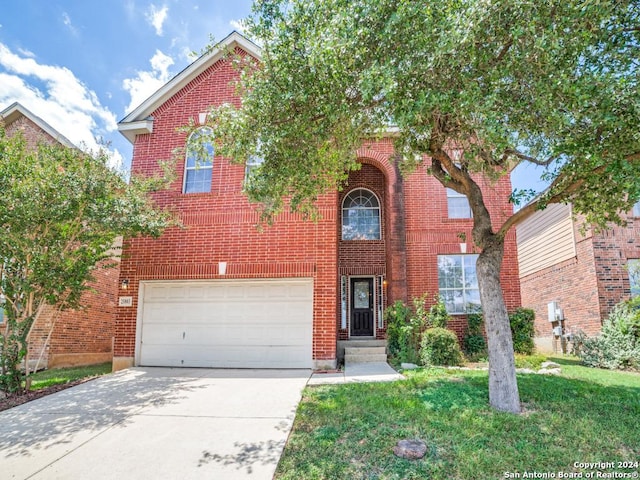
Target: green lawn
348 431
56 376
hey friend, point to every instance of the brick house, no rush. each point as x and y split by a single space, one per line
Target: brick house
585 272
221 293
73 337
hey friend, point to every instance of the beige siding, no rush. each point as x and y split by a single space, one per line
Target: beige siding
546 238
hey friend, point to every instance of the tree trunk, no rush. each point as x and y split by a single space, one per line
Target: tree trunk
503 387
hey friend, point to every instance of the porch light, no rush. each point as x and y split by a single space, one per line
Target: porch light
125 284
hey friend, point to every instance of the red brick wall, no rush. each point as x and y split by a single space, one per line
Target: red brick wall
587 286
83 336
431 233
73 337
612 248
572 283
410 255
32 133
221 225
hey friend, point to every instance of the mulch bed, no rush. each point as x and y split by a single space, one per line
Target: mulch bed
15 400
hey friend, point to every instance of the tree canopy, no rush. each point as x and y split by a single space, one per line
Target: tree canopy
553 83
61 211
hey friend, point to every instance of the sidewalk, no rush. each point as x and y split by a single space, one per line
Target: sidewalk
359 372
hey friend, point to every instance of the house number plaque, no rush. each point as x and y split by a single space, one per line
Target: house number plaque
125 301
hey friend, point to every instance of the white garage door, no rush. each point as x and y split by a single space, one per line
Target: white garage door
227 324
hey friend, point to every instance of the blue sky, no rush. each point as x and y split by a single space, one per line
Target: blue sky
82 65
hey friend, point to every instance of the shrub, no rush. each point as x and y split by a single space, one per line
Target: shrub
396 316
534 362
618 345
521 321
439 346
438 316
474 343
403 332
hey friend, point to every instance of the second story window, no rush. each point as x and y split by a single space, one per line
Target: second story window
458 205
636 210
199 162
253 165
361 216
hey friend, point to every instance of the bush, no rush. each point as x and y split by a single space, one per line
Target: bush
438 316
521 321
403 332
618 345
474 343
534 362
440 347
396 316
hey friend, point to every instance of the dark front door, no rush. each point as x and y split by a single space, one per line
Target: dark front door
362 307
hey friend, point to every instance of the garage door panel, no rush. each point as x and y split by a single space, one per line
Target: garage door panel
237 324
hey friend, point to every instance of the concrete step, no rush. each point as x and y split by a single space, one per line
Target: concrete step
362 343
364 350
350 359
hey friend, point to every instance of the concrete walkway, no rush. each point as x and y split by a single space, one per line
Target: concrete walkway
358 372
155 423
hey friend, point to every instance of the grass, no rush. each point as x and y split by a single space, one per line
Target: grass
348 431
57 376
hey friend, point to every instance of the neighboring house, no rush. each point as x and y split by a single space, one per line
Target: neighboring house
220 292
73 337
586 273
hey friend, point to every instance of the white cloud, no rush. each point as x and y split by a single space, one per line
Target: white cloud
26 53
156 17
237 25
146 83
66 19
57 96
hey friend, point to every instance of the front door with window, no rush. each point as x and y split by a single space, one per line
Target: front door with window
361 307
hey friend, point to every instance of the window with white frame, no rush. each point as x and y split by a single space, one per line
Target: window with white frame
361 216
633 266
458 283
458 205
636 210
198 162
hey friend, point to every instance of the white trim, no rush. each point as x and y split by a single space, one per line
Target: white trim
173 86
139 316
130 130
16 110
379 213
197 167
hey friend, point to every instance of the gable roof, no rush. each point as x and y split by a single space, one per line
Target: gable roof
139 120
16 110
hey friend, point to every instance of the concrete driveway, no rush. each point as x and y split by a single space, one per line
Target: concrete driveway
155 423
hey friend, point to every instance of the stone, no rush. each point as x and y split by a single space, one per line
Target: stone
410 449
549 365
549 371
524 370
408 366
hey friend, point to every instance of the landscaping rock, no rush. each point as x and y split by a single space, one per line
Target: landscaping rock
549 371
524 370
410 449
408 366
549 365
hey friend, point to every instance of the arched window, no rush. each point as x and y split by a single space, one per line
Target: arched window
199 162
360 216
